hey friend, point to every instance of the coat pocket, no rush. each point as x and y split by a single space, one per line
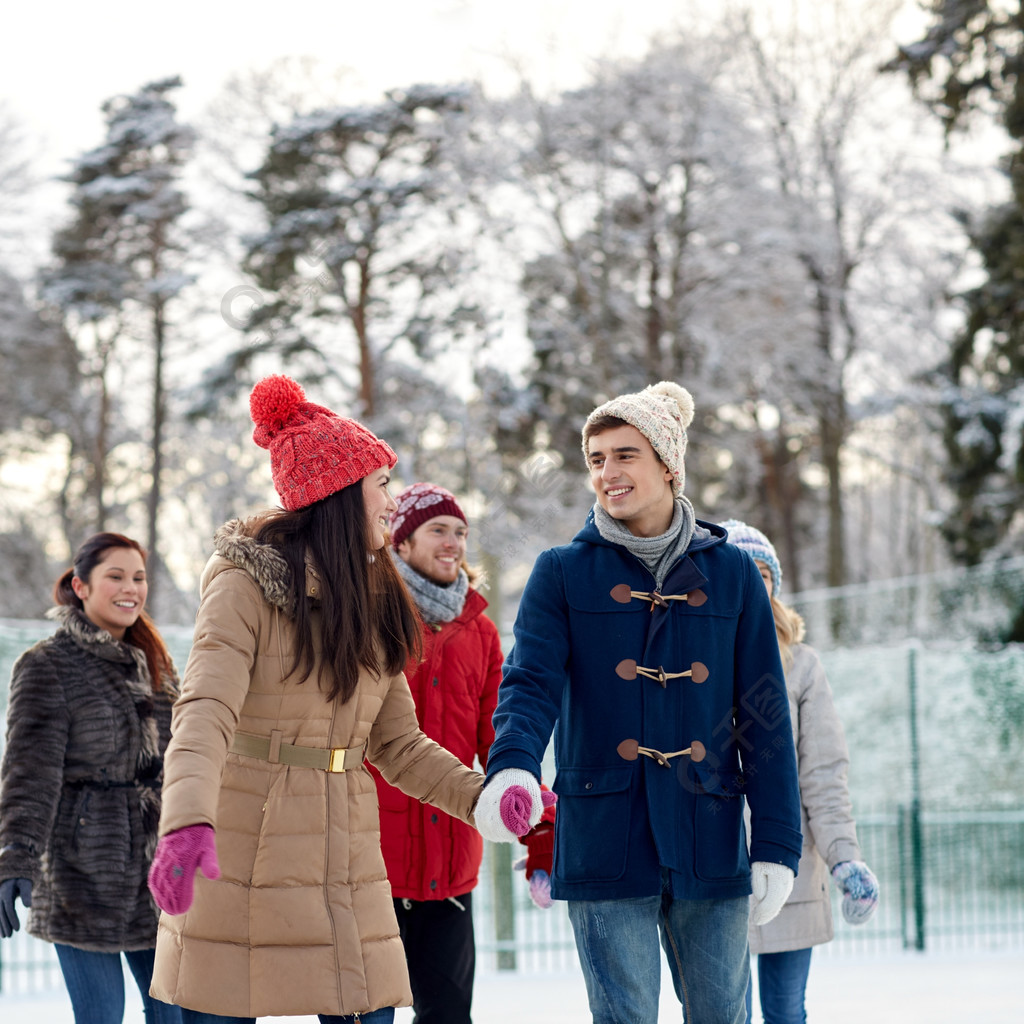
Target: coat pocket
719 835
593 823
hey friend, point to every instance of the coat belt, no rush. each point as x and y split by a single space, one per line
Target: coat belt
273 750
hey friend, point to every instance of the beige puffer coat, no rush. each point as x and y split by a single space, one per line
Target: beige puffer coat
830 835
301 920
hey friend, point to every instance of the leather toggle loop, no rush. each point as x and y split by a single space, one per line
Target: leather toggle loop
629 669
630 750
627 750
622 594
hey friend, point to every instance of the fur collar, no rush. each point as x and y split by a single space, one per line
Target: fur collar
100 643
90 637
235 542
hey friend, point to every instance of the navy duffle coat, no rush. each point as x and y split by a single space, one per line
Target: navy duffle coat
595 656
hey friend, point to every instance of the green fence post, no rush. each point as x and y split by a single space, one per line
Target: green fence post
504 909
500 854
917 853
901 847
916 839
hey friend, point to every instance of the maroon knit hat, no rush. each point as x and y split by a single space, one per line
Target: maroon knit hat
313 451
418 503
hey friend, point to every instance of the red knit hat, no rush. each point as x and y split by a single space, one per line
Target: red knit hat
418 503
313 451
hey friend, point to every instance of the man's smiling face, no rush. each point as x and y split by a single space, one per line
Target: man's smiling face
436 548
631 483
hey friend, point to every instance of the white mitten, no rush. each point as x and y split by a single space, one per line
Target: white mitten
772 884
509 806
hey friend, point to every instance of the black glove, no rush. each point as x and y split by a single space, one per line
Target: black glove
22 887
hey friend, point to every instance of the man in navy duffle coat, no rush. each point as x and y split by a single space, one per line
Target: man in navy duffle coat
648 646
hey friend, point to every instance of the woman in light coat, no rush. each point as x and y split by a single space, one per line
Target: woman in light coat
783 946
295 676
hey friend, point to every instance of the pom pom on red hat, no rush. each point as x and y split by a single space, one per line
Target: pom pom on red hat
274 401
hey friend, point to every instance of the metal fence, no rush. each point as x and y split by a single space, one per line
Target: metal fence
961 887
935 731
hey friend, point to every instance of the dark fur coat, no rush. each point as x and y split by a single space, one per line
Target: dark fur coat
80 786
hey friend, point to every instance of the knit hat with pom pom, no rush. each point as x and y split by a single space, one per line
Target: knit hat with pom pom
661 412
313 451
756 544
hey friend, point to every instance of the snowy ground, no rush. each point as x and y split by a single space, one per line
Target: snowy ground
907 988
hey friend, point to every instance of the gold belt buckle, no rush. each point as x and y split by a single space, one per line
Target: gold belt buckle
337 762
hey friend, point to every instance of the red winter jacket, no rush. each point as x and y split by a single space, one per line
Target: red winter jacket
430 855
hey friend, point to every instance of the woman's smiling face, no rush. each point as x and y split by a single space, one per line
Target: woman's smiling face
379 505
115 593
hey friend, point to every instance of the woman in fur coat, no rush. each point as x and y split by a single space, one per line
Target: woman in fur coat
783 946
87 723
269 868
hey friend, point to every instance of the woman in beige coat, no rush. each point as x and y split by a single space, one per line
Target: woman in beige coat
783 946
295 676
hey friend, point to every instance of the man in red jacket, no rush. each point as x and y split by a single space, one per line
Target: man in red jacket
433 859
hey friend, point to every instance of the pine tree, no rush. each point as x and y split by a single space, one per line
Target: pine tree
119 262
968 65
364 258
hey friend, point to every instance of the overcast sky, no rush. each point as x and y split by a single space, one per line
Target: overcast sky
60 61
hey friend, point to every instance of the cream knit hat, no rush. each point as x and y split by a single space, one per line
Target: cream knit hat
661 412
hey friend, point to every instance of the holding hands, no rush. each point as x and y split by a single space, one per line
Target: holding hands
509 806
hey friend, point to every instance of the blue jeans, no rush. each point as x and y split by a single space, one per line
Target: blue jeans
705 942
781 984
95 983
382 1016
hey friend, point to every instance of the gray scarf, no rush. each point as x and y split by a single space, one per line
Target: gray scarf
657 553
436 603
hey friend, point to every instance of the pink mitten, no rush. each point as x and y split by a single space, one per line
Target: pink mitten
517 806
509 805
178 856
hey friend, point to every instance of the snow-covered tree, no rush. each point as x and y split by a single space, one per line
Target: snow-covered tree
363 263
41 413
17 182
657 255
967 68
119 266
848 186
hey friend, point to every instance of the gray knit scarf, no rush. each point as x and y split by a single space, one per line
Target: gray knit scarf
436 603
657 553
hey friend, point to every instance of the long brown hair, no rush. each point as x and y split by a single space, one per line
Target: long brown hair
142 633
367 618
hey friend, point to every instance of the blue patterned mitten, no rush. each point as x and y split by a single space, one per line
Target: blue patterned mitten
859 887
